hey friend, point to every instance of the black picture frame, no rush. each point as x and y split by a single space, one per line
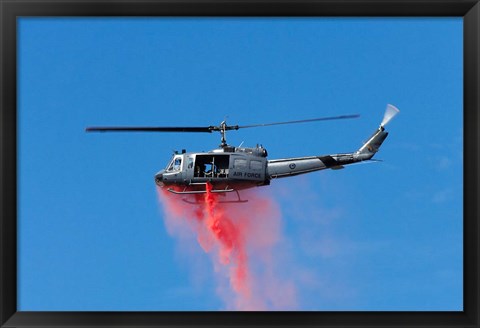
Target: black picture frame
10 10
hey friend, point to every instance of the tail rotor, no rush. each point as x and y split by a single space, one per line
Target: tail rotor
390 113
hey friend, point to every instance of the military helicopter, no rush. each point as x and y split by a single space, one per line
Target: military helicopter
229 169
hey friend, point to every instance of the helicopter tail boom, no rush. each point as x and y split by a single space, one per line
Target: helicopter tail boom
294 166
279 168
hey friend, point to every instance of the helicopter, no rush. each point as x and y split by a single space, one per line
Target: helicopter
229 169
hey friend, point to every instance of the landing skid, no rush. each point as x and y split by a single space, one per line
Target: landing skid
237 201
195 192
198 192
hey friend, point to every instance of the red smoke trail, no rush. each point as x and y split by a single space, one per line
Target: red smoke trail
230 236
237 235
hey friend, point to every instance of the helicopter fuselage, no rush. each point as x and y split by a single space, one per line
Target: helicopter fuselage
224 168
232 169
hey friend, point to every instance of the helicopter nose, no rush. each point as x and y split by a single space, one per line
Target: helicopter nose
159 178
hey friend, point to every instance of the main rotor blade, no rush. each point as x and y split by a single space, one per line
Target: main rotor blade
341 117
149 129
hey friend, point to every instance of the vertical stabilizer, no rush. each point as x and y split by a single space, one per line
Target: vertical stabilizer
378 137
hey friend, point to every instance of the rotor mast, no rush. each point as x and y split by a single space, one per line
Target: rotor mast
222 128
223 131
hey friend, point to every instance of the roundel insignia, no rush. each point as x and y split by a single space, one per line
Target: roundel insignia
292 166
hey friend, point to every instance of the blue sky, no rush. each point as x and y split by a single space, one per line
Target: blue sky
382 236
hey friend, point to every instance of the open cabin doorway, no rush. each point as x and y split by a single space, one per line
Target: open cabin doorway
211 166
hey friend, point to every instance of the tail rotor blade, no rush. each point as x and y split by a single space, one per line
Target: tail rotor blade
390 113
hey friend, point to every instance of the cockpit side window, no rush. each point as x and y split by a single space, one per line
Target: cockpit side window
170 166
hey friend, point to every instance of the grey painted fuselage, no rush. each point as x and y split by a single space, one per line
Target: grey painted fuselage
232 168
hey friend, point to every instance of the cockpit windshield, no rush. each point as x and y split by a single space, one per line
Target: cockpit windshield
175 164
169 165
